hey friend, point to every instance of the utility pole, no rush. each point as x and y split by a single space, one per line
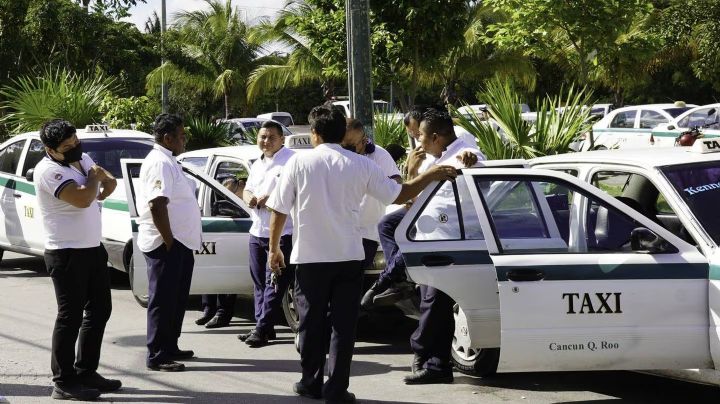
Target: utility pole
163 86
359 62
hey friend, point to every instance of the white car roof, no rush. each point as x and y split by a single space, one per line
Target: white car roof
246 152
660 156
82 134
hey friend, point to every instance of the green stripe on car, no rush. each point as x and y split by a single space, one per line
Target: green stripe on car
612 271
19 186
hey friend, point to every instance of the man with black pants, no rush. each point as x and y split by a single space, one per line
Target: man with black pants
169 229
323 189
69 187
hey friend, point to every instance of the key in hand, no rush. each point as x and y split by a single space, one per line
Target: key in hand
274 281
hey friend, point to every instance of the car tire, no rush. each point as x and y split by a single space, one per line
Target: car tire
1 254
141 299
288 305
466 359
601 147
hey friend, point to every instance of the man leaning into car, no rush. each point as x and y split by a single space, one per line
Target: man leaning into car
69 187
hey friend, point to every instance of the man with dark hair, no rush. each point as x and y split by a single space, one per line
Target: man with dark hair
169 229
264 175
323 189
69 187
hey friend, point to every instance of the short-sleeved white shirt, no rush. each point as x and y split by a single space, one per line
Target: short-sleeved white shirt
264 176
466 136
322 189
371 209
65 225
162 175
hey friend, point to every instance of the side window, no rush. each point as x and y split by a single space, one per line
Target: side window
10 157
219 206
697 118
447 215
230 169
35 153
612 182
625 119
650 119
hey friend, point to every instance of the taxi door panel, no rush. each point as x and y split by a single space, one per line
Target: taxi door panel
601 302
714 306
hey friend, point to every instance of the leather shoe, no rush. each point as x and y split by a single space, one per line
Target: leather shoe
300 389
429 376
205 318
395 293
367 300
348 398
218 322
243 337
167 367
417 363
180 354
257 339
95 381
76 392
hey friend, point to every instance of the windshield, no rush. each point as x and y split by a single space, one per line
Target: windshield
107 152
675 112
699 186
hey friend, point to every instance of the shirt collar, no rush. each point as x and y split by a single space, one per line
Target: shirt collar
453 147
62 163
163 149
278 153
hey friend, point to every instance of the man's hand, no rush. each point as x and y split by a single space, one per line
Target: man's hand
169 245
415 159
276 261
253 202
260 202
440 173
96 173
467 158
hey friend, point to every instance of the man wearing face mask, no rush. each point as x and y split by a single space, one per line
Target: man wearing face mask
169 229
69 187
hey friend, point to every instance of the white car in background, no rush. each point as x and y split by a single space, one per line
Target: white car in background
631 127
239 129
705 117
283 117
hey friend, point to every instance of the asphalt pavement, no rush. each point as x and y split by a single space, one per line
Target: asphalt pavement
227 371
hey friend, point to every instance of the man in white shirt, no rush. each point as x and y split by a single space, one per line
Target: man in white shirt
69 187
264 175
323 189
371 209
432 340
169 229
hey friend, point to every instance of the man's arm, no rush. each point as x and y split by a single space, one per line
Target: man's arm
276 259
249 198
413 187
82 196
161 219
109 183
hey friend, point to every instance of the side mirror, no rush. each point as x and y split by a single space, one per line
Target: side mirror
227 209
671 127
30 174
642 239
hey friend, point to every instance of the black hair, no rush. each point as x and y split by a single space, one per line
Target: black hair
355 124
416 113
438 121
328 123
273 125
166 124
56 131
396 151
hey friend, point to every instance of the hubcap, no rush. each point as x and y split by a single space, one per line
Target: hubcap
461 338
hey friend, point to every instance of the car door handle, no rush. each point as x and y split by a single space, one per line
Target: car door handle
525 275
437 260
17 195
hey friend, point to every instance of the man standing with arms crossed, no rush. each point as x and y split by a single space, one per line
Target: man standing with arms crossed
323 189
69 187
169 230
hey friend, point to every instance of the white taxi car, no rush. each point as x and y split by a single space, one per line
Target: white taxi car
551 273
706 117
23 230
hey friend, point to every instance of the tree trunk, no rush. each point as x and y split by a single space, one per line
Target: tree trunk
227 105
328 89
401 96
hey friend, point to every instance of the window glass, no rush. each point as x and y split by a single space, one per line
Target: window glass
514 209
230 169
197 163
107 152
650 119
707 117
448 215
220 206
625 119
10 157
35 153
612 182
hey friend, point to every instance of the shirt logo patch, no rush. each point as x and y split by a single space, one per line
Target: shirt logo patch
58 177
158 184
443 218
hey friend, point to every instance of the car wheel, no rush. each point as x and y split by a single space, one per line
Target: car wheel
141 299
466 359
600 148
288 304
1 254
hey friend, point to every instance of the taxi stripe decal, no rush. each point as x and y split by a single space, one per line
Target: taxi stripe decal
216 225
20 186
613 272
468 257
715 272
116 204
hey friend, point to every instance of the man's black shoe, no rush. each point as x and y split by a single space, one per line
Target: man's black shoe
167 367
300 389
76 392
180 354
95 381
394 294
207 316
428 376
417 363
348 398
367 300
257 339
218 322
271 335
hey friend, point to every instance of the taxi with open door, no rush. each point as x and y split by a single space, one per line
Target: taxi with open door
552 273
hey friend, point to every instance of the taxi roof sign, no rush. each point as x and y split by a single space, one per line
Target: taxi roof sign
706 145
97 128
301 141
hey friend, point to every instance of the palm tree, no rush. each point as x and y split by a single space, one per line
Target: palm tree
217 42
303 64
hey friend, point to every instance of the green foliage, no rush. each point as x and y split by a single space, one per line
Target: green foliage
555 130
126 113
30 101
388 129
204 133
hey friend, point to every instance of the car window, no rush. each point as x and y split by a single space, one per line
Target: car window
650 119
107 152
612 182
449 214
707 117
35 153
10 157
227 169
624 119
220 206
197 163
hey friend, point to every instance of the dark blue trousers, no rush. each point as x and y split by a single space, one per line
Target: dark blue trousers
432 340
370 247
268 301
322 288
169 277
394 264
222 306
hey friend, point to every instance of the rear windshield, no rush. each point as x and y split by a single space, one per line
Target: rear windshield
107 152
699 186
